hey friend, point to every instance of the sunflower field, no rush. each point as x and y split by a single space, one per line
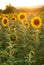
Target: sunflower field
22 38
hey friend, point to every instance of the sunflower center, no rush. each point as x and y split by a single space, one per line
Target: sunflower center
13 18
5 21
13 38
26 24
22 16
36 22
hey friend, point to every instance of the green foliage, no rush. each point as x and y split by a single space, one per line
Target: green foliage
21 47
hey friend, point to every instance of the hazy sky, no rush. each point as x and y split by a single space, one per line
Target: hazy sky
21 3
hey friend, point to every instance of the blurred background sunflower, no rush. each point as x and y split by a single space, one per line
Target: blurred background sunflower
22 17
6 15
14 14
13 37
0 17
36 22
26 25
5 21
13 18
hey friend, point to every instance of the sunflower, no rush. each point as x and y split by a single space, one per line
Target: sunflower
32 52
22 17
13 18
6 15
0 17
14 14
26 25
4 21
36 22
13 37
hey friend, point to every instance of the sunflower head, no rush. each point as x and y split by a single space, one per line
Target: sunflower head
4 21
26 25
14 14
22 17
36 22
13 37
1 16
32 52
7 15
13 18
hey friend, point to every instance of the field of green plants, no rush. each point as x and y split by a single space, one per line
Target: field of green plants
21 43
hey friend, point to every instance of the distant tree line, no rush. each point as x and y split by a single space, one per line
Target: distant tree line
10 9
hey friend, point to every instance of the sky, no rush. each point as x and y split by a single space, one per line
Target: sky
21 3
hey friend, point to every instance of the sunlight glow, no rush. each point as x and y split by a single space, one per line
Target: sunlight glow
21 3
